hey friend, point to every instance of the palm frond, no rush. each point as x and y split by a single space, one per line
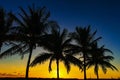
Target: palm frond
104 69
74 61
50 63
31 10
64 34
109 65
74 50
66 43
41 59
53 24
88 29
42 11
17 20
23 11
107 50
25 49
66 63
114 68
46 16
92 35
89 64
106 64
25 20
108 58
11 51
24 52
96 40
9 20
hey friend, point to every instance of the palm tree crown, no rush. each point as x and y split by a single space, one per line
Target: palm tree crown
31 28
56 43
29 31
83 38
5 24
99 58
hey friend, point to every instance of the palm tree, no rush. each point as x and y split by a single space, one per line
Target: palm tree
31 28
5 24
29 31
6 36
83 38
56 43
99 59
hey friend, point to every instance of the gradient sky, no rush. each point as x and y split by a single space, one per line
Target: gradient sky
102 15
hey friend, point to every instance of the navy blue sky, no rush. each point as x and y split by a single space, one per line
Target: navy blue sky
103 15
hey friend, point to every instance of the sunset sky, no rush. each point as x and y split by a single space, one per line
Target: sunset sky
102 15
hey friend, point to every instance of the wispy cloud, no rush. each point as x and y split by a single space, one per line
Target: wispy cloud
14 74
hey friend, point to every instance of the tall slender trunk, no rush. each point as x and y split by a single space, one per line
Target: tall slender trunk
57 62
84 55
97 75
28 63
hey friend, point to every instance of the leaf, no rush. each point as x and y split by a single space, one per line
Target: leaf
40 59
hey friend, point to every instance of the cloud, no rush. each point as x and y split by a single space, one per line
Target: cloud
14 74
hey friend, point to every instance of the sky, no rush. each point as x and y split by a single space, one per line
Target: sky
102 15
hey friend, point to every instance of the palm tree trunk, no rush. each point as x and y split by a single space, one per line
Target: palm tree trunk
57 62
84 72
97 75
28 63
84 66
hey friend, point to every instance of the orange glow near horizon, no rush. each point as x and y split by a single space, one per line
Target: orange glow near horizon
15 67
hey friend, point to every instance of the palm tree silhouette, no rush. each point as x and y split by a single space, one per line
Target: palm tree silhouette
83 38
5 24
99 58
56 43
30 29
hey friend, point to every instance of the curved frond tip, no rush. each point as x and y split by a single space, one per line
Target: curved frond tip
40 59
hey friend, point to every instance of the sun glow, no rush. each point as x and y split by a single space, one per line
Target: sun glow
62 73
17 69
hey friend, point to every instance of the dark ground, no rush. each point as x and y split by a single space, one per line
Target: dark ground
50 79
